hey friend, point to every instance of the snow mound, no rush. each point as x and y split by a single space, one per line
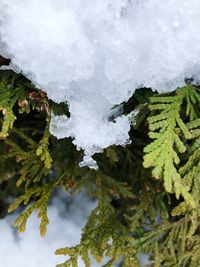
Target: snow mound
94 54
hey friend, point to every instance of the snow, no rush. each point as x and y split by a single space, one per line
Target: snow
94 54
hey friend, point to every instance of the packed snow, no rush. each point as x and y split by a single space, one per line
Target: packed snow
93 55
67 217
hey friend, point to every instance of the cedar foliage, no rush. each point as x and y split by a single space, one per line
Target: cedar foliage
148 192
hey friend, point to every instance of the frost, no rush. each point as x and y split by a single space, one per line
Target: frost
94 54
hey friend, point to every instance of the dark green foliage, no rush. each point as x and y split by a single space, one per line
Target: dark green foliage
148 192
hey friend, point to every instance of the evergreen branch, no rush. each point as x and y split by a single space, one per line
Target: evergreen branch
40 196
162 154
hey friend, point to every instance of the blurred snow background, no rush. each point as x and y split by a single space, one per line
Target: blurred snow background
94 54
67 217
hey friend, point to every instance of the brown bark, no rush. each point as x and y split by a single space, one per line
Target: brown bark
4 61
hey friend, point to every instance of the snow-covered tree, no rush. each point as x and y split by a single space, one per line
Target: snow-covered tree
105 96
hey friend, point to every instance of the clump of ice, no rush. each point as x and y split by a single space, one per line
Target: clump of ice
94 54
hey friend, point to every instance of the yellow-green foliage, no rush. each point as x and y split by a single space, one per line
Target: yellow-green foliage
43 193
103 235
42 150
33 167
8 98
170 132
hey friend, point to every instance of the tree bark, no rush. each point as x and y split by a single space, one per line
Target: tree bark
4 61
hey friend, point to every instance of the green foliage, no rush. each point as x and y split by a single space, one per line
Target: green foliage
169 133
40 204
42 150
102 226
8 98
33 166
147 192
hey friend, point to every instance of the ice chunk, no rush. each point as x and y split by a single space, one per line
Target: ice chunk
90 128
94 54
